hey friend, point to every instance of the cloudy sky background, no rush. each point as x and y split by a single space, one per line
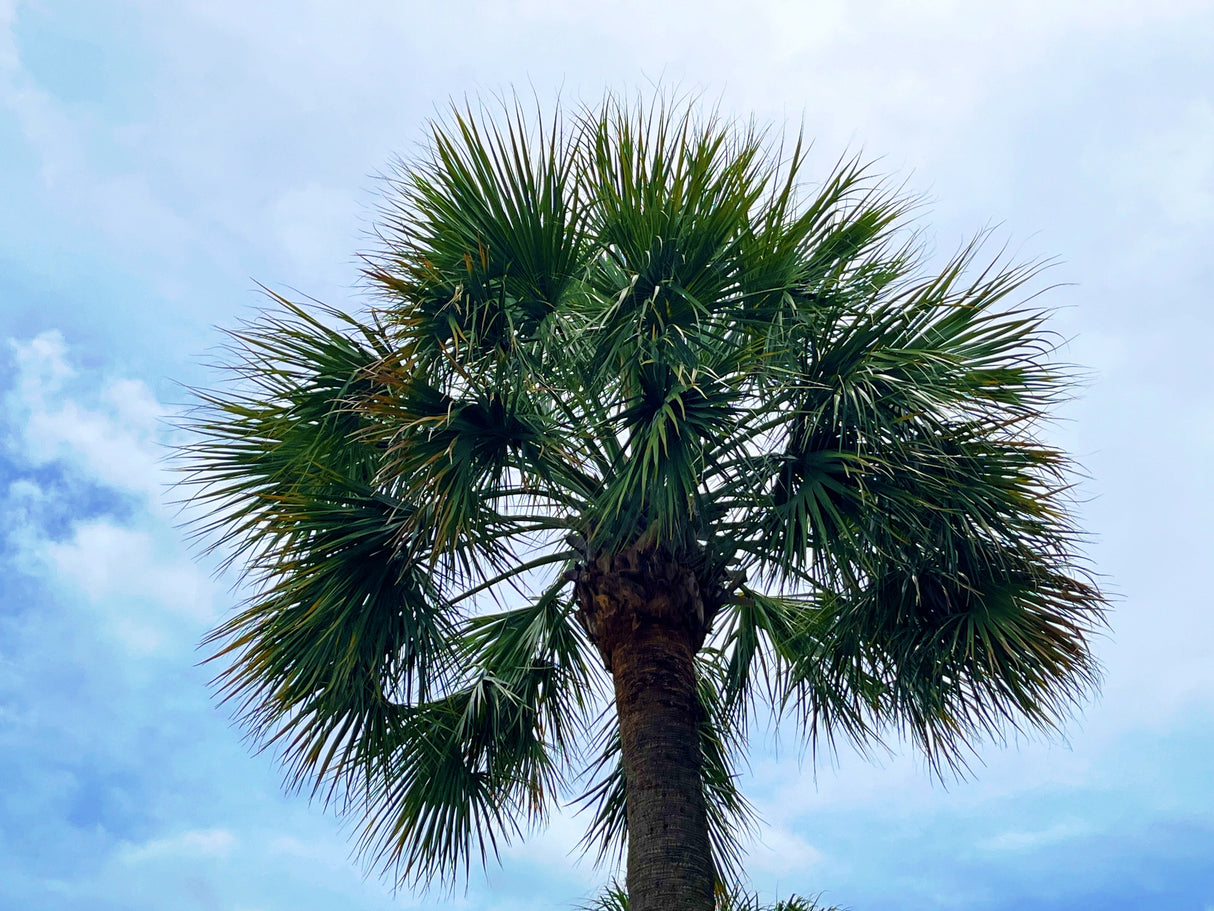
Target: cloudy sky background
156 160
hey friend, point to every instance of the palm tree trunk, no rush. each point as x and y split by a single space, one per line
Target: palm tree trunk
669 855
648 615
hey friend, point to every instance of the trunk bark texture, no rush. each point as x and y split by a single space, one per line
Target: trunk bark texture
669 856
648 618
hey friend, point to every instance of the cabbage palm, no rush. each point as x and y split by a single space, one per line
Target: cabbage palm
643 438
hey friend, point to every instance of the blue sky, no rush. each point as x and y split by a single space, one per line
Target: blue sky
156 160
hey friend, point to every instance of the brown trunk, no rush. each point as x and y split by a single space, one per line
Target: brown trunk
648 617
669 857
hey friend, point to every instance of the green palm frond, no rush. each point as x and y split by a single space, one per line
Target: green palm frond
344 623
732 819
351 658
543 635
614 897
467 458
778 650
605 798
467 771
484 240
487 761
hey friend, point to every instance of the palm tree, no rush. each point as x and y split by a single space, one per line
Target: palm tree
642 437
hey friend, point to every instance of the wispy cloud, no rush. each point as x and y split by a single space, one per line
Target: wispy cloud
1026 841
185 847
112 435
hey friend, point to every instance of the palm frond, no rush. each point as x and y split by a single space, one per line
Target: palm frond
483 240
486 762
467 772
777 651
344 624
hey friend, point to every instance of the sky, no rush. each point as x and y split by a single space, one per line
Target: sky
159 160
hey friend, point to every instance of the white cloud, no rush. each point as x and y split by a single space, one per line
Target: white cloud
781 852
323 853
41 364
93 199
47 128
108 431
107 561
8 47
134 216
131 569
1032 840
192 845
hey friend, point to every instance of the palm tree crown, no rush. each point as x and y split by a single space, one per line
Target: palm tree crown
632 389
